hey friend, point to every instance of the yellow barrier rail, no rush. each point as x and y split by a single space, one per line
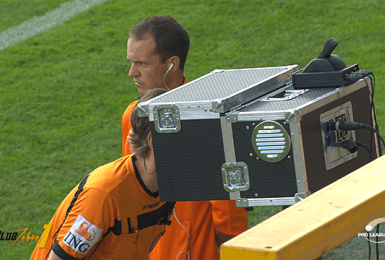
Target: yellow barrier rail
318 224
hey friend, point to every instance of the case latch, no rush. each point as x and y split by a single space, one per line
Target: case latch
235 177
167 118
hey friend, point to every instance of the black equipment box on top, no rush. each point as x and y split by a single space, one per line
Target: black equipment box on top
247 135
305 80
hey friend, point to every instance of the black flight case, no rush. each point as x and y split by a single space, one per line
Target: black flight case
248 135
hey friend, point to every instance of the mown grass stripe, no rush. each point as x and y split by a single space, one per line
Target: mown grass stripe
46 22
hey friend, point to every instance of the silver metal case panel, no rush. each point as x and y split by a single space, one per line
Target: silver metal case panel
221 90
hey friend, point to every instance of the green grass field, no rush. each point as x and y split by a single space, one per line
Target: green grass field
62 92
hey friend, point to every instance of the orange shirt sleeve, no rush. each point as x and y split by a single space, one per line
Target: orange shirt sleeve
228 218
85 224
126 127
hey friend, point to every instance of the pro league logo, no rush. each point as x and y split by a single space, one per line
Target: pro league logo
371 235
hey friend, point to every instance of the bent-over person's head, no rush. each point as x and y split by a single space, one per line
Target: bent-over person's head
141 125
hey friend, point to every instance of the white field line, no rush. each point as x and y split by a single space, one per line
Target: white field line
40 24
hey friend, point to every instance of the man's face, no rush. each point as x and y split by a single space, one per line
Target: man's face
146 67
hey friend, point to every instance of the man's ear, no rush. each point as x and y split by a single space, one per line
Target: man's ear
176 61
149 140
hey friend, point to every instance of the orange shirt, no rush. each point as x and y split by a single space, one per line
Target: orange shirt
200 218
110 215
126 127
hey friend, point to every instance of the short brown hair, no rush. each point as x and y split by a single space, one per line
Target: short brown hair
141 125
170 38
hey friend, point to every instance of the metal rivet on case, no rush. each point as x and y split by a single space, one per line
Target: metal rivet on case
247 127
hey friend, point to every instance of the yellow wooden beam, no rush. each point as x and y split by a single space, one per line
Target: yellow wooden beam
316 225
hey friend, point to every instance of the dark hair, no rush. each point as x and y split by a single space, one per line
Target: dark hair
141 125
170 38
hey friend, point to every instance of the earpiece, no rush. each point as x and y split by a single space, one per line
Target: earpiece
172 65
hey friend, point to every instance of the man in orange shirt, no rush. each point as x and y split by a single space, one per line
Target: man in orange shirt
114 212
157 48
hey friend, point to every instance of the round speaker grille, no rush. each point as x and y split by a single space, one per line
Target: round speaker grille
270 141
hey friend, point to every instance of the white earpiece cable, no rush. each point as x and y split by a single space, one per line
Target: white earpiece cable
188 240
164 78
